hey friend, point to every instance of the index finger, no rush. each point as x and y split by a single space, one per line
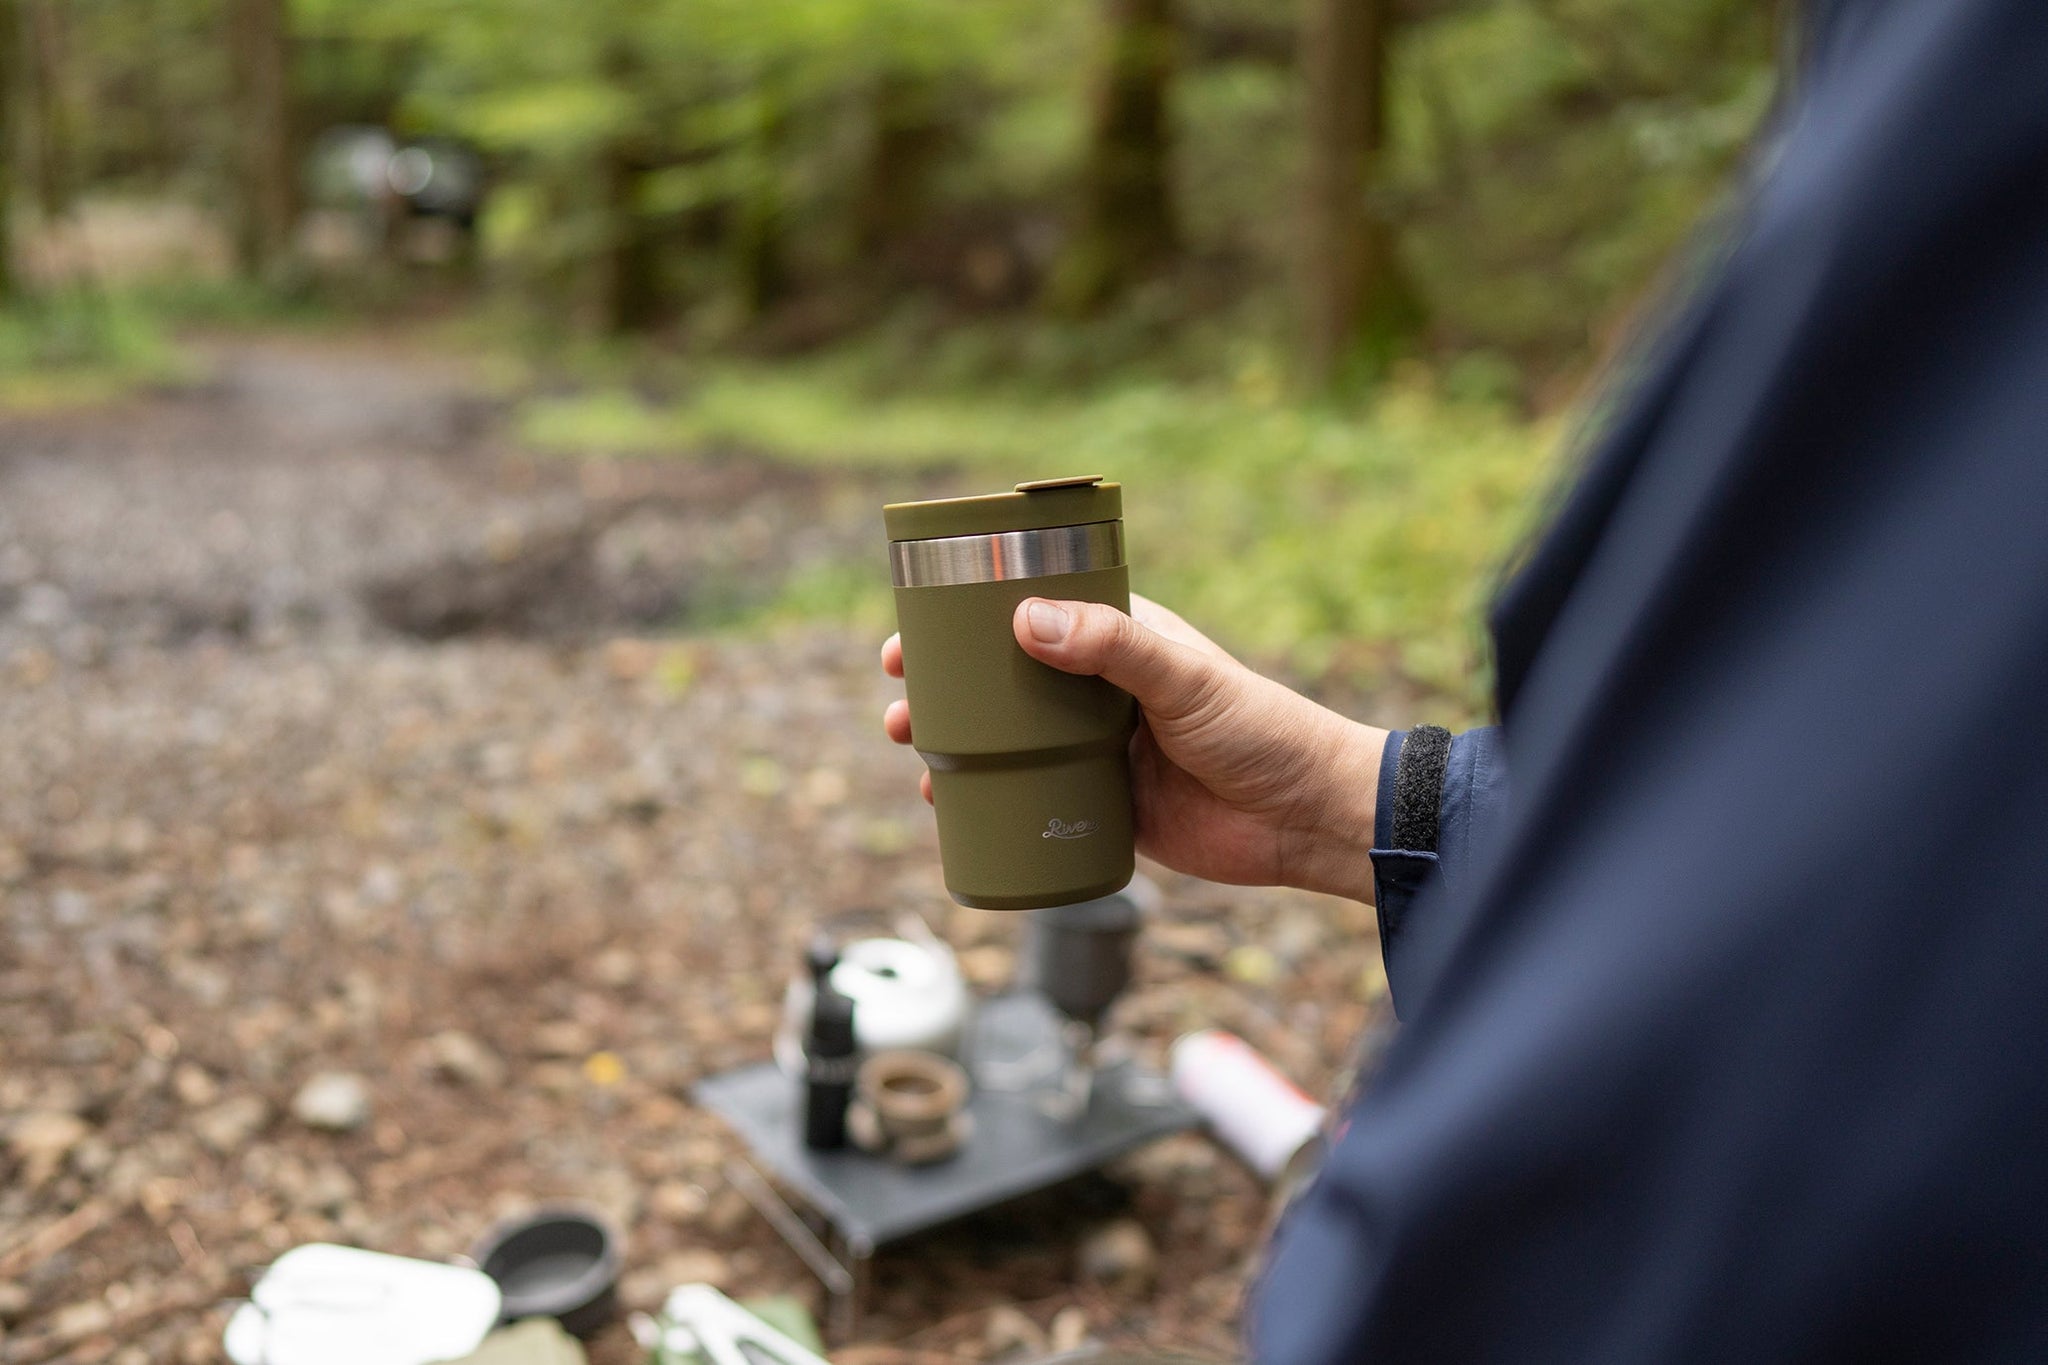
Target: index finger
1154 617
892 656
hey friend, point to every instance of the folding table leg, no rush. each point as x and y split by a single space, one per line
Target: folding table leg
840 1282
857 1254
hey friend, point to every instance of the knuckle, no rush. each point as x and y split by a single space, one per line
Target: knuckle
1120 634
1195 691
1113 633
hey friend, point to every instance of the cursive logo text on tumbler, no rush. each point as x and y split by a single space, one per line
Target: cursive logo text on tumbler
1060 829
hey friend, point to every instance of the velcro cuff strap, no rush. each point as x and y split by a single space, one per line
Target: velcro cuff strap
1419 787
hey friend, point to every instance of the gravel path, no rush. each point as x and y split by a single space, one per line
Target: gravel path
335 736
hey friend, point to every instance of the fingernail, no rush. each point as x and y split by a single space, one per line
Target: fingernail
1048 622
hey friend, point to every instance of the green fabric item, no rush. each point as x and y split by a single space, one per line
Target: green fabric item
536 1341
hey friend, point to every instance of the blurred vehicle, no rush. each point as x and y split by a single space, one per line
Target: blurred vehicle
415 200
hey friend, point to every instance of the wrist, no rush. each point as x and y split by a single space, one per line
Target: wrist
1327 848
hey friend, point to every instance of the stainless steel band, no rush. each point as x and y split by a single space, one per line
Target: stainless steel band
950 560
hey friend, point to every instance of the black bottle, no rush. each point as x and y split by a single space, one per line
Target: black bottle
829 1060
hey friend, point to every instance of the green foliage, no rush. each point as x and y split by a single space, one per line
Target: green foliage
137 91
703 162
74 347
715 105
1338 543
1550 156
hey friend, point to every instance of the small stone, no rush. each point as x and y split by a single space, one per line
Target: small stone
1120 1255
43 1139
634 795
1069 1329
678 1201
381 885
563 1038
134 838
1009 1332
458 1056
555 1078
325 1190
15 1301
195 1088
1187 1165
91 1157
228 1126
615 967
333 1102
76 1321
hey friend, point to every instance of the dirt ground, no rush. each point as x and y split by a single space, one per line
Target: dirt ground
338 736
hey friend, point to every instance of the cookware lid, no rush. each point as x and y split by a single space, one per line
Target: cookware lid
1038 505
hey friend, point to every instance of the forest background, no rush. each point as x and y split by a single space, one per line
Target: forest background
1324 282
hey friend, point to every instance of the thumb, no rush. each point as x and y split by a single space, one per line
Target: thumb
1170 680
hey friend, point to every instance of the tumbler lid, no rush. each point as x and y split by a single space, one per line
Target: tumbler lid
1039 505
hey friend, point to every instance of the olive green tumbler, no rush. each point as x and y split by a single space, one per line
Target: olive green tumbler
1031 774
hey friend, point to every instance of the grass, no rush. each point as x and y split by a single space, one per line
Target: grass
1343 542
79 348
230 303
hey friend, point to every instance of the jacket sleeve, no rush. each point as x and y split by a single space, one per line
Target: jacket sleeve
1468 814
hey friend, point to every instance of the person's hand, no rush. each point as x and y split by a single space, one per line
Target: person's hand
1235 778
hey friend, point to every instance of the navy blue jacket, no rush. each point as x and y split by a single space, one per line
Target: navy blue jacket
1725 1025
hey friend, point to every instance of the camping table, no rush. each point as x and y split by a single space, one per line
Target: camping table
1016 1148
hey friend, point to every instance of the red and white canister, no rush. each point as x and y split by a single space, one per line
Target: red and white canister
1252 1109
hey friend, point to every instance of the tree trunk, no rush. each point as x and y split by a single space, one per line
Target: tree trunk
629 291
1126 231
760 246
905 140
10 86
1356 304
41 63
266 163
